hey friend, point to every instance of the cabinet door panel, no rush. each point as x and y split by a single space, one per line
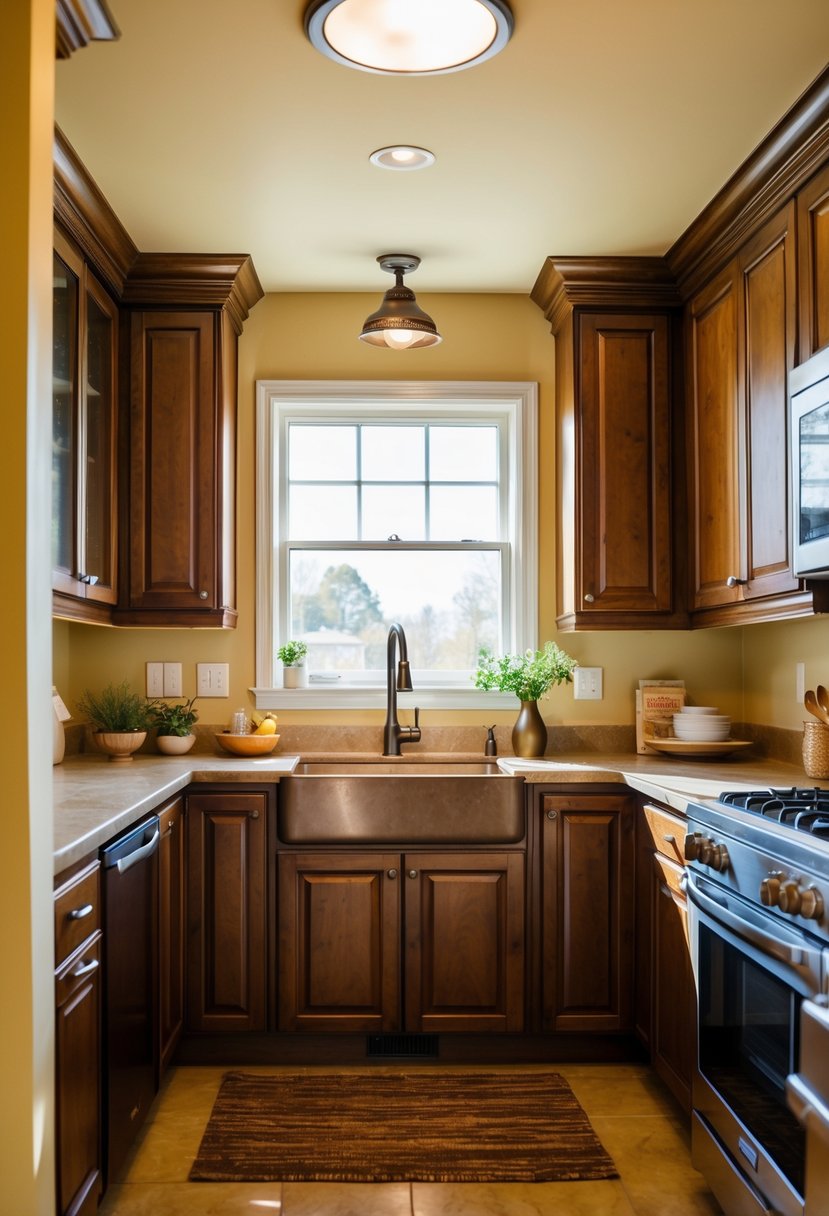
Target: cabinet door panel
226 912
715 477
339 953
587 912
464 917
67 271
78 1086
173 475
813 250
674 1037
171 928
625 464
99 478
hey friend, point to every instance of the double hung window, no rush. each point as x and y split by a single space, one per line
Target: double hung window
382 502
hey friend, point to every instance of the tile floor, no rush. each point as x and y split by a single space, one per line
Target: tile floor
632 1113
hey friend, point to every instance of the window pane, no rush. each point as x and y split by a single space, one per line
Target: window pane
322 453
322 513
463 453
394 453
399 509
343 601
463 513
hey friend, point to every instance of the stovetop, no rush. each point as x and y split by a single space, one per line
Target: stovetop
802 809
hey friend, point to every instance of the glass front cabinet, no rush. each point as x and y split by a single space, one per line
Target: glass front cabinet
84 401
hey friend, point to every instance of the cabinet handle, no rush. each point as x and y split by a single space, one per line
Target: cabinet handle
392 873
669 839
552 814
733 581
85 969
589 598
80 913
412 873
202 595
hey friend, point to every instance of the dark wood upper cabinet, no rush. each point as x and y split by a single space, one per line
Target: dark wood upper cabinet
614 324
79 22
813 264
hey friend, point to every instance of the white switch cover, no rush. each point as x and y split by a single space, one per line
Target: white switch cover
799 682
172 679
587 683
155 679
213 679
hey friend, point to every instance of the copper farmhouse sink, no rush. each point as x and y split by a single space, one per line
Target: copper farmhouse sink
389 802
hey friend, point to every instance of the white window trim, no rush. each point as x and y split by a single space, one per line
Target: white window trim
519 400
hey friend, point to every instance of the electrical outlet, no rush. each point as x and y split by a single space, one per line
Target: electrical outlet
213 679
172 680
587 684
155 679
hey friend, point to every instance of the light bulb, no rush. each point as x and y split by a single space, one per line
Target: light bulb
399 339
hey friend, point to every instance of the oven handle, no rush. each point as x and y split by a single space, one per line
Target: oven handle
803 1101
793 955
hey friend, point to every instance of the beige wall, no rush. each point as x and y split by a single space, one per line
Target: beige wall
486 337
27 1005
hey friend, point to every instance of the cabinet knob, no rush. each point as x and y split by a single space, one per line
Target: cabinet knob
552 814
392 873
589 598
733 581
412 873
202 595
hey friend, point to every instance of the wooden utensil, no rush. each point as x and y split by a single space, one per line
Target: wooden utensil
811 703
822 698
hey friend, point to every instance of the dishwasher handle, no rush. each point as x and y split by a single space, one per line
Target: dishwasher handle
125 863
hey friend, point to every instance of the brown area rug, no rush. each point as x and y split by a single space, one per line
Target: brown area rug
384 1127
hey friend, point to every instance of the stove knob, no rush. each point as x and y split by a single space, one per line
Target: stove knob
811 904
719 857
770 892
790 897
691 848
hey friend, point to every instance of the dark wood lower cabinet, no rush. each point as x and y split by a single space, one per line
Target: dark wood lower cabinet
587 890
227 911
170 929
387 941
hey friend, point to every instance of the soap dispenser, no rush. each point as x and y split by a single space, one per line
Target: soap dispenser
490 749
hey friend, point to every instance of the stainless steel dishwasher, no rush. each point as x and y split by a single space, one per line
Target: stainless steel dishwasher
129 865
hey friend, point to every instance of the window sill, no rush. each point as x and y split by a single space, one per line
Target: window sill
344 696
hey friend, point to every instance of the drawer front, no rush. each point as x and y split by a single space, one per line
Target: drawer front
671 873
81 971
77 912
667 832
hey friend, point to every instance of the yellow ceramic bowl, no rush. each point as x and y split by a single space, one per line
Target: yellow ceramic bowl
248 745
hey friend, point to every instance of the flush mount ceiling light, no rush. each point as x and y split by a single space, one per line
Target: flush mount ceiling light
399 323
402 157
409 37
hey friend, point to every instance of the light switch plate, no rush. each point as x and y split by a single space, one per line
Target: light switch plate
213 679
587 684
155 679
172 679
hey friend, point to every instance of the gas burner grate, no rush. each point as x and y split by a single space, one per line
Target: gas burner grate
805 810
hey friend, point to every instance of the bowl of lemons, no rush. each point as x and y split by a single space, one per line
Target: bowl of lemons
261 741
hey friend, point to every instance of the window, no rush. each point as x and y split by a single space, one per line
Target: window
394 501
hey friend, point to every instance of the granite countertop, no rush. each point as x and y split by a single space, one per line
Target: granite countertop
95 799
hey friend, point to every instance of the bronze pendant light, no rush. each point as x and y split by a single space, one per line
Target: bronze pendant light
399 323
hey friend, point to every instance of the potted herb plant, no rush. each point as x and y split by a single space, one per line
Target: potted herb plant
529 676
294 672
120 718
173 726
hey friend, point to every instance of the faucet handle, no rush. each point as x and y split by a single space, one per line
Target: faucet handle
417 717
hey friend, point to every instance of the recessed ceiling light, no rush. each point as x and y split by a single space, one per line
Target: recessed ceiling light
410 37
402 156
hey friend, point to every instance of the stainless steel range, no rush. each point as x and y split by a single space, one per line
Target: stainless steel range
757 881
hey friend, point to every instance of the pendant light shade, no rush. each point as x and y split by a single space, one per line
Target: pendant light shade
400 323
409 37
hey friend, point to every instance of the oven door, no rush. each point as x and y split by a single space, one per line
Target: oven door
752 973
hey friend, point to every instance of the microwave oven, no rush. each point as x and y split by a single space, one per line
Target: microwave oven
809 415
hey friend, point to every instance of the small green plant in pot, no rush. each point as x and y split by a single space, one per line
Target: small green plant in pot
292 656
529 676
120 718
174 726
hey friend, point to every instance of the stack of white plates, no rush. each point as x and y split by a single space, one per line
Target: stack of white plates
702 724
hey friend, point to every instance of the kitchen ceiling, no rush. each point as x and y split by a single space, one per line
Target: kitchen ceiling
604 127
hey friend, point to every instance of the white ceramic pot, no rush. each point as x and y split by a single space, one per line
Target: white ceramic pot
174 745
295 677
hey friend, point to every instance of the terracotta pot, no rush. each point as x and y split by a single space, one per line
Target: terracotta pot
119 745
529 735
174 745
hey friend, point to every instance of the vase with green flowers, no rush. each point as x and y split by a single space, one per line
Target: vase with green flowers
529 676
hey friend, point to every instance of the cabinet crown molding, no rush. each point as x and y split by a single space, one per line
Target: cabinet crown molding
195 280
565 283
